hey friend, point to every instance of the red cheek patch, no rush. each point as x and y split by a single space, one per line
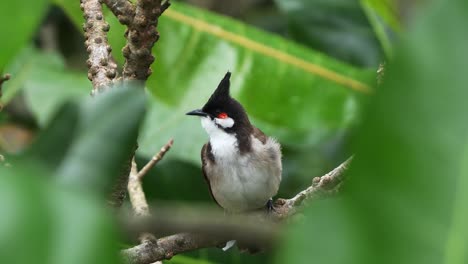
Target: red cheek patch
222 115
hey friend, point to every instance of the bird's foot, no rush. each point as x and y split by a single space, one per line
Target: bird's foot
269 205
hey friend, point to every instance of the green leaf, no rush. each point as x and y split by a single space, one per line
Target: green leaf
17 30
186 260
293 93
26 63
83 230
384 19
46 90
405 199
42 224
24 198
336 27
387 11
45 82
54 141
106 135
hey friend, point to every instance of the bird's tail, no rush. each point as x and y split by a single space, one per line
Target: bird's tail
229 245
242 247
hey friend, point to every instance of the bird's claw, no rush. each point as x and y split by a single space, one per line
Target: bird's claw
269 205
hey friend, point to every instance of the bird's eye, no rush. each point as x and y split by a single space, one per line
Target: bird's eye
222 115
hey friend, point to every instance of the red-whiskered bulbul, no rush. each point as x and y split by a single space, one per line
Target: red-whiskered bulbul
241 165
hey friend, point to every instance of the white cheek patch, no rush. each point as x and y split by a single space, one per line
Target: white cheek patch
225 122
209 126
222 144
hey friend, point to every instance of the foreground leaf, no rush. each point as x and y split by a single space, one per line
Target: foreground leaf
42 224
106 135
405 200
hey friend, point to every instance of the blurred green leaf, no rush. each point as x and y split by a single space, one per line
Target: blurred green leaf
106 134
26 221
405 200
84 231
28 61
384 19
387 11
41 224
18 30
46 90
45 82
335 27
54 141
186 260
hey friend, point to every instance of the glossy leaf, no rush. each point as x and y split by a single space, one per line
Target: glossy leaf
335 27
405 199
291 92
17 30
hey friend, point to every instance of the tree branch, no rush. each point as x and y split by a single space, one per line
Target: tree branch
141 36
102 69
124 10
209 234
321 186
136 193
141 20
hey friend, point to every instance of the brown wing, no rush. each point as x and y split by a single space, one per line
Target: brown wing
207 158
257 133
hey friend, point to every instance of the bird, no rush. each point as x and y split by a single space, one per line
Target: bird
241 165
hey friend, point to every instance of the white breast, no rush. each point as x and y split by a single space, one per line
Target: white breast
242 182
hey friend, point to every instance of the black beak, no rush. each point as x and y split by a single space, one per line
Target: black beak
197 112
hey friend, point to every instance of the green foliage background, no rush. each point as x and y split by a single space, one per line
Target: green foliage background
403 201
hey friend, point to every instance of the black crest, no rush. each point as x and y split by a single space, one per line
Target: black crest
222 94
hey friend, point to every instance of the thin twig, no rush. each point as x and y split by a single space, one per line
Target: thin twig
138 200
136 193
321 186
102 69
155 159
166 247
